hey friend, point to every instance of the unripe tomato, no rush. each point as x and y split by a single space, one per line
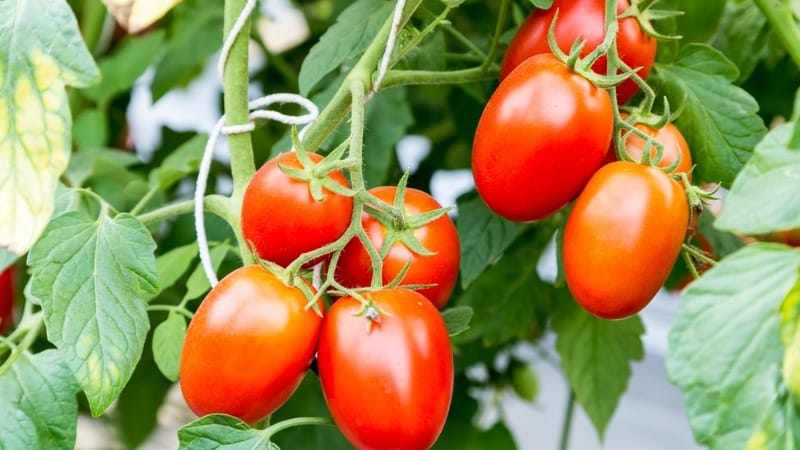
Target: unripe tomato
669 136
6 298
584 19
280 218
388 385
439 237
248 346
541 136
622 237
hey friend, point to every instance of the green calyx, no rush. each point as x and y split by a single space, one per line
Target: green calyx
641 10
316 173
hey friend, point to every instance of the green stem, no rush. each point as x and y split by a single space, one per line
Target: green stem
699 255
172 308
420 36
32 332
144 200
93 18
235 87
276 428
498 31
452 31
214 203
690 264
567 425
781 19
404 77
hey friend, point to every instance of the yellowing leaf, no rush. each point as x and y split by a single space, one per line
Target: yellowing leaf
41 51
136 15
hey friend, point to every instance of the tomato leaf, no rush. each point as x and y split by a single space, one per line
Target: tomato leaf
93 278
484 237
41 52
388 116
168 340
352 33
38 403
173 264
764 196
195 34
457 319
508 296
722 243
718 119
90 129
216 431
181 162
97 162
596 355
743 36
125 65
725 351
542 4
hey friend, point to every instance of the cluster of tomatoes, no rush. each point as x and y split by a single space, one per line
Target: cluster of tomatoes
259 330
544 140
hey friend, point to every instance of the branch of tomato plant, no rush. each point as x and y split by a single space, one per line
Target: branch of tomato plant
408 46
214 203
780 16
406 77
29 328
566 427
276 428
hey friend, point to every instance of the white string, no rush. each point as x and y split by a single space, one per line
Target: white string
256 112
387 52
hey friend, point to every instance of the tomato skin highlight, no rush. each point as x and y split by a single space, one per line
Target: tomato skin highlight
248 346
390 386
622 237
280 218
541 136
6 298
440 237
585 19
669 136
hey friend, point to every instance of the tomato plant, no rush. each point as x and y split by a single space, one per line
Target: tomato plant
583 19
438 268
377 402
622 237
542 135
248 346
6 298
309 222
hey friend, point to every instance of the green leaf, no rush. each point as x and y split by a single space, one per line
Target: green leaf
172 265
780 429
725 350
718 119
699 21
195 34
90 129
168 344
352 33
457 319
507 297
97 162
722 243
38 403
742 36
125 65
93 278
484 237
181 162
596 355
388 116
197 284
41 52
764 196
218 431
542 4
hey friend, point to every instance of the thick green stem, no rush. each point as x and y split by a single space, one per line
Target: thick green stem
781 19
566 427
336 110
235 87
403 77
216 204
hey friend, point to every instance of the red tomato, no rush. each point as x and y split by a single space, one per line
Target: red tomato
541 136
788 237
669 136
6 298
248 346
280 218
388 385
439 237
622 237
584 18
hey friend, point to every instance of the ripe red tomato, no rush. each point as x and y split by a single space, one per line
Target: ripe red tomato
541 136
280 218
788 237
584 18
669 136
388 385
248 346
6 298
439 237
622 237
